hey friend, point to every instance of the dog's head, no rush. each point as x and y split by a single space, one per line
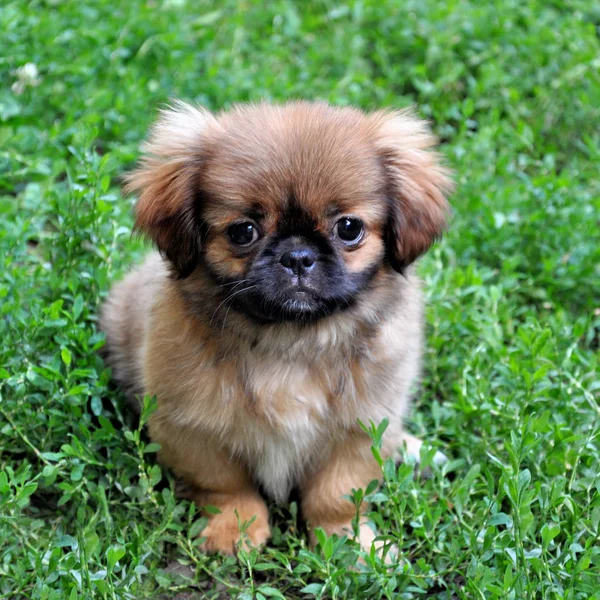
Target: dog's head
292 210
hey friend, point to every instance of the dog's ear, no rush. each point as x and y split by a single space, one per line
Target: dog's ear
166 179
417 186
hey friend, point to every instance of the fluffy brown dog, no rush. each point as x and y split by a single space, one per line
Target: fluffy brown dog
285 308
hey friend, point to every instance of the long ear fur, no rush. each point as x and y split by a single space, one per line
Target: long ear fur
417 186
167 210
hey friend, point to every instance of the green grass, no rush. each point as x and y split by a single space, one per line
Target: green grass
511 386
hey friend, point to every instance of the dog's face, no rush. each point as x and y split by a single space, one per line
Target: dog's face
292 210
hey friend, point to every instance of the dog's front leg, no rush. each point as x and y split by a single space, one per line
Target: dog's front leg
350 465
217 480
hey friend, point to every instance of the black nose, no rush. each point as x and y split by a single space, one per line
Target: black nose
299 260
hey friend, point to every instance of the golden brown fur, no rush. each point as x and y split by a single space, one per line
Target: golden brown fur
243 402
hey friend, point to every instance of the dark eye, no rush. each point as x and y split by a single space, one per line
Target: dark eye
349 230
242 234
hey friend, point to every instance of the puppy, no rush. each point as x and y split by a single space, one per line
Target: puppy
283 307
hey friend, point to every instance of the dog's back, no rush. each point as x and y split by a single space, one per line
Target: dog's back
124 319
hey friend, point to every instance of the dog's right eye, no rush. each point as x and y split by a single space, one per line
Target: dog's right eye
242 234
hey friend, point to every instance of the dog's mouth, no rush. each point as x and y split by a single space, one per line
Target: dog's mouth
301 306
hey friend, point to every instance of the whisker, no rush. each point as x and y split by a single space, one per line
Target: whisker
229 307
234 283
229 298
225 300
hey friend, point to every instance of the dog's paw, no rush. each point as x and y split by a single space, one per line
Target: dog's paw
223 534
365 537
413 450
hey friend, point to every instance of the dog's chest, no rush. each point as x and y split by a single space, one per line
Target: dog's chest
285 425
284 393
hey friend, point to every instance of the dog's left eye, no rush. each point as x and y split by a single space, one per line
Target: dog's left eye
242 234
349 230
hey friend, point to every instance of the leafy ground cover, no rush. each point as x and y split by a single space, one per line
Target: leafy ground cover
510 391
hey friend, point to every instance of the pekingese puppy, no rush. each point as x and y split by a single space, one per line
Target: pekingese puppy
282 306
